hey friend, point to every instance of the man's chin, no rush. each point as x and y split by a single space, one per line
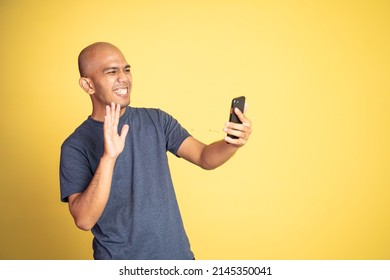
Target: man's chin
122 103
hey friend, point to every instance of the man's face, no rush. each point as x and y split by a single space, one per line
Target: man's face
111 79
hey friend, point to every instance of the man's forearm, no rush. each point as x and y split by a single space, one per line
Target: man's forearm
87 207
216 154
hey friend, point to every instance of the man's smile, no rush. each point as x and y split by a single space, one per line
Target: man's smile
121 91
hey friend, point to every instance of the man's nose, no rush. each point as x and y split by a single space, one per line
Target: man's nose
122 77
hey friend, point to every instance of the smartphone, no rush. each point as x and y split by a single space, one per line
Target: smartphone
238 102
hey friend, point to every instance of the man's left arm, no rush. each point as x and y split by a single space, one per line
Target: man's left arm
213 155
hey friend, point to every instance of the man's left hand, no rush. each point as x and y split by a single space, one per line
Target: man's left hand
241 130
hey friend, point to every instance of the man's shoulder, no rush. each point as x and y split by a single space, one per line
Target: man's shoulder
87 131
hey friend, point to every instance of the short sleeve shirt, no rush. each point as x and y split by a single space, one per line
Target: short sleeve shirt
141 219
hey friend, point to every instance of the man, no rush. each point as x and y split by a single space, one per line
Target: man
118 184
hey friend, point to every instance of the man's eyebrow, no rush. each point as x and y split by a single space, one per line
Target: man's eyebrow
110 68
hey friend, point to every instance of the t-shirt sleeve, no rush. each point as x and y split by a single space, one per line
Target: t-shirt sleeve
75 172
175 134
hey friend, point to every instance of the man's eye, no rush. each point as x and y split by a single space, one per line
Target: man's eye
111 73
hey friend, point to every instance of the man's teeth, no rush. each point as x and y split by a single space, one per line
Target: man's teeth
121 91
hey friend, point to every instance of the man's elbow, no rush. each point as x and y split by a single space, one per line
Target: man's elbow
211 164
83 224
206 166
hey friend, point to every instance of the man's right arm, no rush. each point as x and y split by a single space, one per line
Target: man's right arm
87 207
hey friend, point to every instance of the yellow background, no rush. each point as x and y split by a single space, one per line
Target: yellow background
313 181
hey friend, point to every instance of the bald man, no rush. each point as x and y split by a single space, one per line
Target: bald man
114 171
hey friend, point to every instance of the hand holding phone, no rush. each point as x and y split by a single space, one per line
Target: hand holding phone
238 102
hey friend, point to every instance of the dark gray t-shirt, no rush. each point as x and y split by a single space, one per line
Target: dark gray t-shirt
142 218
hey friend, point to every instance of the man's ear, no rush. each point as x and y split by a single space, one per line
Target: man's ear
86 85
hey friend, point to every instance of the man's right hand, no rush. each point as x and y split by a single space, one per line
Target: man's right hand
113 142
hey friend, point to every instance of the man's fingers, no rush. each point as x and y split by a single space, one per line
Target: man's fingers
240 130
113 113
242 118
107 120
237 142
236 130
112 116
116 115
124 131
113 142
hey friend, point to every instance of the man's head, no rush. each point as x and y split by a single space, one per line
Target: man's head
105 76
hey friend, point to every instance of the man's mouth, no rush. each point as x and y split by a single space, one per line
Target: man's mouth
121 91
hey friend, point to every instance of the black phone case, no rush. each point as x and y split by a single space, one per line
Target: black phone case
238 102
